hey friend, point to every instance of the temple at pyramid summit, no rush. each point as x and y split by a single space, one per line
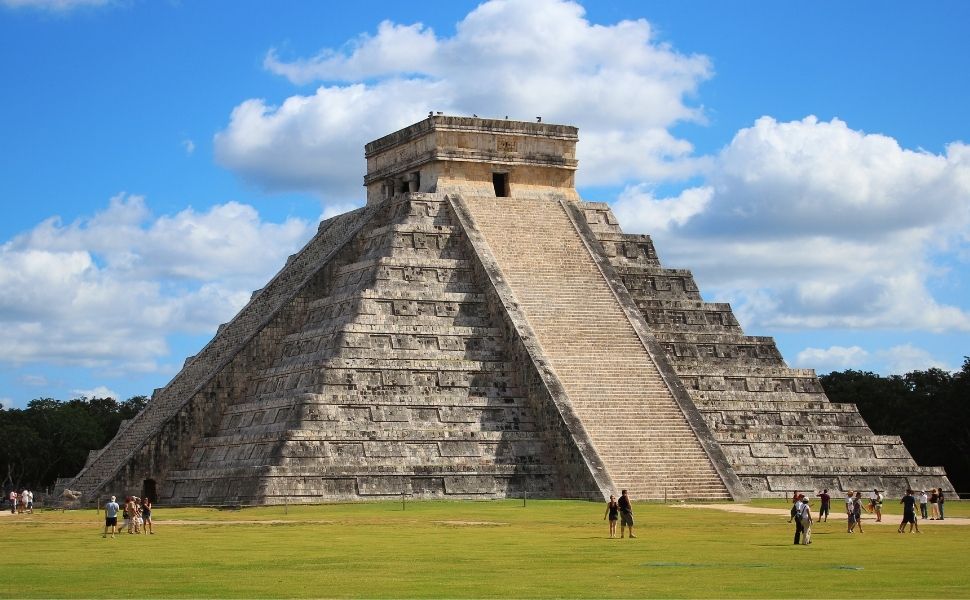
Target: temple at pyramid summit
477 330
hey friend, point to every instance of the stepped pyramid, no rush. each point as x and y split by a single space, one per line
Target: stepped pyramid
479 331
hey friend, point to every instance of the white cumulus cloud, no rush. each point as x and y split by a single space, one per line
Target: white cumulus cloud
618 83
54 6
814 224
106 291
833 358
100 391
906 358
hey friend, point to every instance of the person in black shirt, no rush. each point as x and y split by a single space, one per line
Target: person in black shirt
613 512
823 510
626 513
909 512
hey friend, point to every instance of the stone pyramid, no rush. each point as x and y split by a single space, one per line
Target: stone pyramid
478 331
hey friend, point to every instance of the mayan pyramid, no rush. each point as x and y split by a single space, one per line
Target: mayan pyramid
479 331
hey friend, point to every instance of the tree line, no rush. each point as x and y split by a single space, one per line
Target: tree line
51 438
929 410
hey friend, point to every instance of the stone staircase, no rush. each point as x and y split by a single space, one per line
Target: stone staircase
637 427
775 424
106 466
398 379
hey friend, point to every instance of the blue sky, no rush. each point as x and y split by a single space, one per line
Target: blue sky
159 160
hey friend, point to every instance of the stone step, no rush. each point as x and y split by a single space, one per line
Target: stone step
584 334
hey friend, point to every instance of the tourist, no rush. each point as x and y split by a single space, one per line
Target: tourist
934 509
626 513
823 510
131 509
30 502
24 496
923 499
796 512
849 511
612 513
857 512
909 512
126 515
793 512
939 502
110 517
806 520
875 499
146 515
13 501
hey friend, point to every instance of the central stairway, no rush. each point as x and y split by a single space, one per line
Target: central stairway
637 427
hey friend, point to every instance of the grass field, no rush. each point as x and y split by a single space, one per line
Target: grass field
547 549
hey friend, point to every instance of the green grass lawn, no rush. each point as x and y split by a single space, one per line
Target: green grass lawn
477 550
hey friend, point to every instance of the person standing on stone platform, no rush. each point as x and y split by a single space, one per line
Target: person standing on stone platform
626 513
923 499
909 512
823 510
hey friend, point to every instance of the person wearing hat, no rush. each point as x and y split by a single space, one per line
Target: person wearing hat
111 517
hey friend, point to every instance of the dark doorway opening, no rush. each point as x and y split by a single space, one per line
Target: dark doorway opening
500 181
148 490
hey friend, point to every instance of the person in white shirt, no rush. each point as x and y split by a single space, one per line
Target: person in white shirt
806 519
849 511
111 517
875 500
923 499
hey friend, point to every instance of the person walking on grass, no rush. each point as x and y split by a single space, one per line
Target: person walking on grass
856 513
909 512
806 519
849 511
939 502
823 510
934 507
626 513
111 517
613 514
796 515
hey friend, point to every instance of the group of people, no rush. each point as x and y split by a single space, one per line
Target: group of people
854 507
935 500
620 510
137 515
21 502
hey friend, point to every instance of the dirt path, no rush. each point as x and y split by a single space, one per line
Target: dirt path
887 518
